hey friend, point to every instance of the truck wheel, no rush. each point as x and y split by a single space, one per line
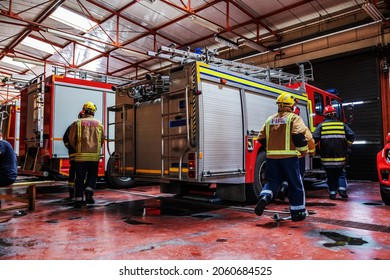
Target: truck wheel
253 190
114 181
385 196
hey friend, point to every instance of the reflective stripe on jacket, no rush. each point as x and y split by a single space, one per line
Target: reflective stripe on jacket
334 137
87 136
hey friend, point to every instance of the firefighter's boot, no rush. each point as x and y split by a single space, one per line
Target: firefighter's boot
260 206
343 194
299 216
78 204
89 197
283 192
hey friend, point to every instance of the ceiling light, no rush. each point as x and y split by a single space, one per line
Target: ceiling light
254 45
373 11
226 42
66 35
28 61
205 23
135 53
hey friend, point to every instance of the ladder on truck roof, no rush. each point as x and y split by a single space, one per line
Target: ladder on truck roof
265 73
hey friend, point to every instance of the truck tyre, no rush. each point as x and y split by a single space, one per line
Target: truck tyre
385 196
253 190
117 182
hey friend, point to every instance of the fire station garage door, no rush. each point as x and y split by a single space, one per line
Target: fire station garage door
222 129
356 77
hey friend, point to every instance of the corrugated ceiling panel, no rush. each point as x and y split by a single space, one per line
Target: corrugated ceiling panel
89 9
28 9
215 14
152 15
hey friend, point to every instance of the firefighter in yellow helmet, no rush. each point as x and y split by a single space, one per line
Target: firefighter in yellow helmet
283 192
86 135
283 136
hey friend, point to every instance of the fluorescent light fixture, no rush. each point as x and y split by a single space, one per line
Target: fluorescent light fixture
373 11
72 19
226 42
39 45
28 61
254 45
66 35
205 23
134 53
353 103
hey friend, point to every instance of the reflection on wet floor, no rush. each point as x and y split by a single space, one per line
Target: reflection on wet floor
141 223
342 240
163 207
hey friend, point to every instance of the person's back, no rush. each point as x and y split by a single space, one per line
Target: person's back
283 136
334 138
8 163
86 135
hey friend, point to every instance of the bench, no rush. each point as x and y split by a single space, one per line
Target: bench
28 199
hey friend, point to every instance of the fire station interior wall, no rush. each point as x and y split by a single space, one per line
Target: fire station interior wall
222 128
356 77
68 102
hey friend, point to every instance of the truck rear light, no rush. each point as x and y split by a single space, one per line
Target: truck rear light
192 165
197 92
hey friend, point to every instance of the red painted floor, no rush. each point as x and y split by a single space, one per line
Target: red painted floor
142 224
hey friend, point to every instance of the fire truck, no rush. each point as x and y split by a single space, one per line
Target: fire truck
48 106
195 128
9 123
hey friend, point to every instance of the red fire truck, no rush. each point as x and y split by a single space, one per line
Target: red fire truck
196 127
48 106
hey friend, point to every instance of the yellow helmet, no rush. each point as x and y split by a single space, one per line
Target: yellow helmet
285 100
89 107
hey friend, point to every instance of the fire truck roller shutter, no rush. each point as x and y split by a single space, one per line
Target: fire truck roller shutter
223 129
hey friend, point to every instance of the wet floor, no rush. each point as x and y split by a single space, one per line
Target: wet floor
142 224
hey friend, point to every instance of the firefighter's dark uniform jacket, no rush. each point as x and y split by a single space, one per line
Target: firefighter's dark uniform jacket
71 149
287 133
86 135
334 137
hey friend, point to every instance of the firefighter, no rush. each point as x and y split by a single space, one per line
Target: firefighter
71 154
283 135
87 136
283 192
334 138
8 163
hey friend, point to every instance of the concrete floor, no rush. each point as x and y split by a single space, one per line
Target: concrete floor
142 224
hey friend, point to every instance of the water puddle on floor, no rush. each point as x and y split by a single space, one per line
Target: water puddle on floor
341 240
373 204
130 210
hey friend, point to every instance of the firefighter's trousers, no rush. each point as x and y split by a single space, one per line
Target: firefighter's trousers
287 169
335 176
86 177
